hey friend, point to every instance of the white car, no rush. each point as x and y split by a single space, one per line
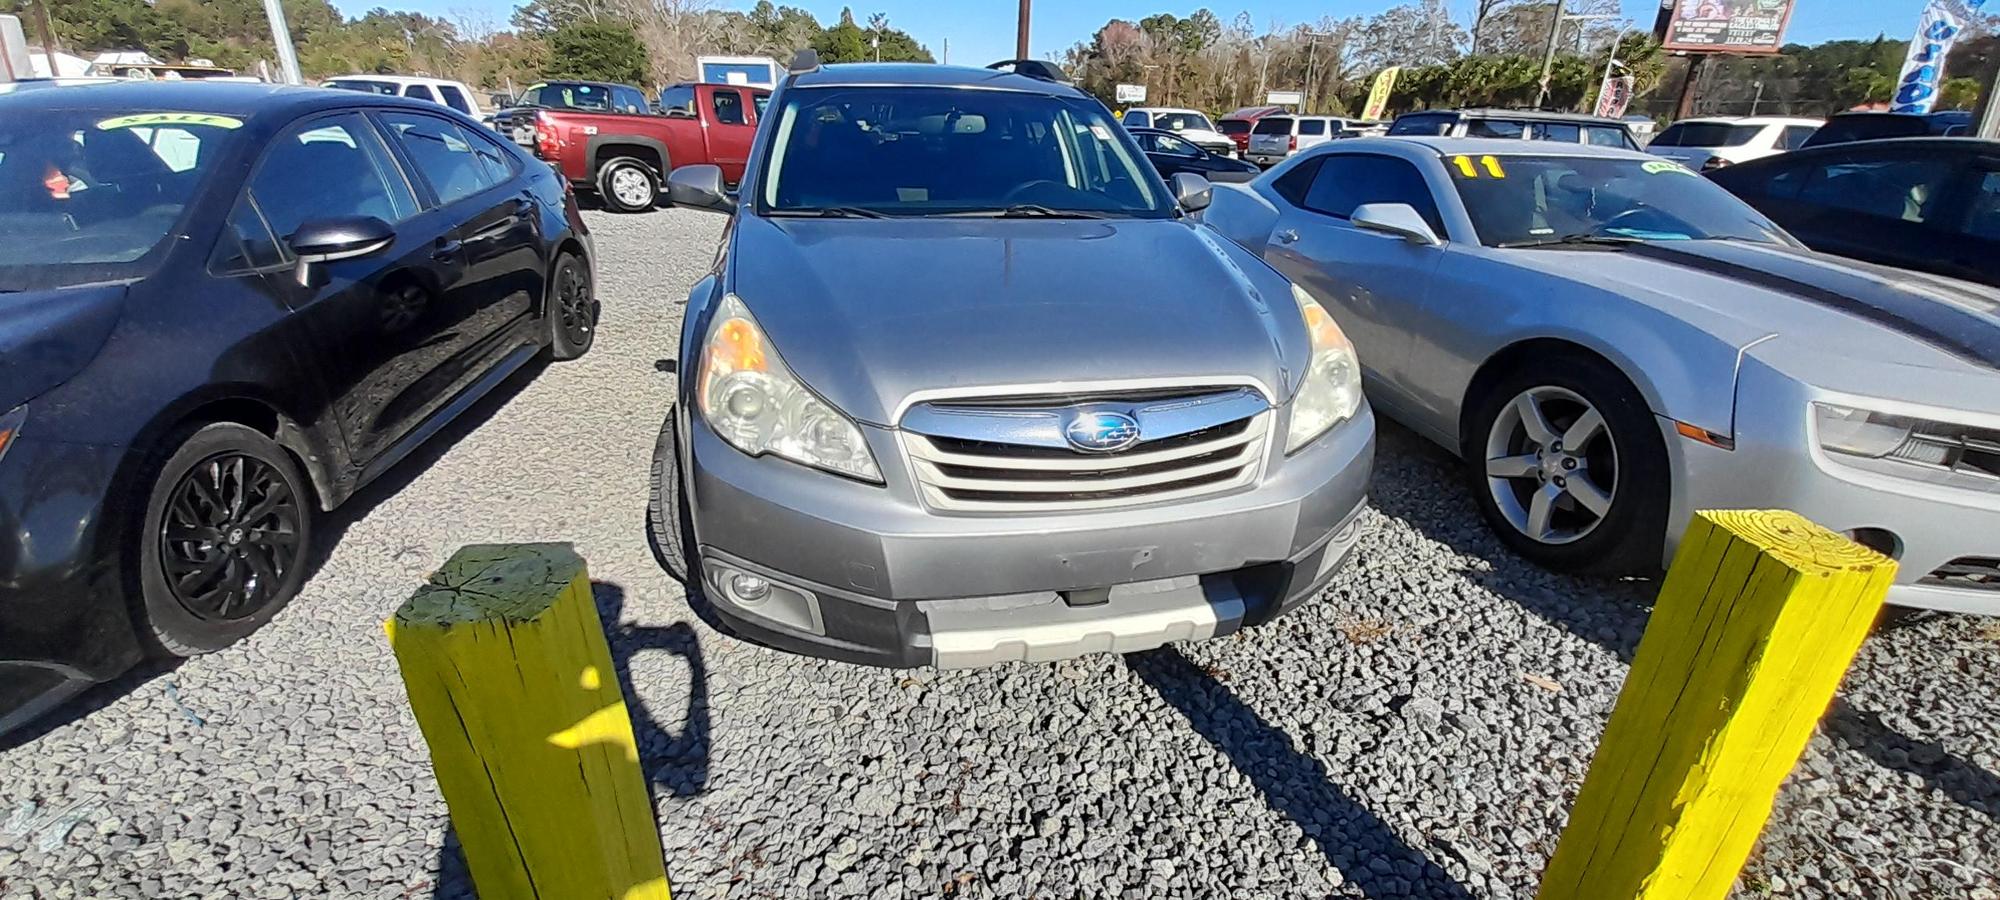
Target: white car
1190 125
1710 143
437 90
1276 137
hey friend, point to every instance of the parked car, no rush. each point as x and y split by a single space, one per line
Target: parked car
607 138
1707 144
1171 155
1611 342
1849 127
894 448
200 352
1191 125
1928 204
436 90
1237 124
1277 137
1516 124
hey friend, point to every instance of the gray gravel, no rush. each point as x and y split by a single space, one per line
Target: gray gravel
1418 732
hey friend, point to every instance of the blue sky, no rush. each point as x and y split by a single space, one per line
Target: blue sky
981 31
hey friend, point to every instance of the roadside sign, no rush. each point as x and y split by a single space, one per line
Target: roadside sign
1724 26
1378 96
1284 98
1131 93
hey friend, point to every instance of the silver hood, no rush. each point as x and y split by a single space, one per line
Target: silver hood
870 312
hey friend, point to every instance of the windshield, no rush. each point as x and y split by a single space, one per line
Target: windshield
567 95
89 195
1841 129
1182 121
1528 200
1235 127
1274 125
920 151
364 86
1706 134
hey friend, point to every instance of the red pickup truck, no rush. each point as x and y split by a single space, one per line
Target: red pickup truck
608 139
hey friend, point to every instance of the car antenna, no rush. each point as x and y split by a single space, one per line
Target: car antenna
1033 68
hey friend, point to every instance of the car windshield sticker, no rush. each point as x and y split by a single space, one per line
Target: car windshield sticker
1103 133
1467 169
1663 167
166 118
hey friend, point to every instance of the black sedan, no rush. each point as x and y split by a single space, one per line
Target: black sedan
225 308
1928 204
1172 155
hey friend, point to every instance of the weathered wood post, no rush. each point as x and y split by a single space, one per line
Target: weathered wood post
512 684
1758 619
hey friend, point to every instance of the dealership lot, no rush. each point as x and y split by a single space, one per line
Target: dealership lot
1419 731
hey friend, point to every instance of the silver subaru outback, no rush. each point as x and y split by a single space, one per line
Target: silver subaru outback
967 384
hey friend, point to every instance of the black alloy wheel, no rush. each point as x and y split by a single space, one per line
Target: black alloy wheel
573 308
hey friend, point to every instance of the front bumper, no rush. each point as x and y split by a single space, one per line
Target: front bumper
864 573
1778 464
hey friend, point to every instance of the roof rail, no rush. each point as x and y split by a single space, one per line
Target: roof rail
1033 68
804 61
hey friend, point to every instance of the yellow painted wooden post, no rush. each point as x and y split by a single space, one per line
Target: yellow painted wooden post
512 683
1758 619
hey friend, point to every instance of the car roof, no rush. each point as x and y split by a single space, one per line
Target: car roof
1466 146
393 79
236 99
1922 142
928 75
1753 120
1540 115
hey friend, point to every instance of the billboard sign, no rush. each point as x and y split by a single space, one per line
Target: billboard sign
1378 96
1131 93
1725 26
1284 98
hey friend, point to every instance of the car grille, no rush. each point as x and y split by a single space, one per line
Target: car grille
1974 572
1014 472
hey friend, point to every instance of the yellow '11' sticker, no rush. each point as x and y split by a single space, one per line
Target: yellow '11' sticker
143 120
1490 163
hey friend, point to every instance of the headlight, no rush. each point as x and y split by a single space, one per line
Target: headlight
1332 389
757 405
1859 432
10 427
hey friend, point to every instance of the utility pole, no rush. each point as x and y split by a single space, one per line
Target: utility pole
1684 105
947 51
1312 43
1264 70
1989 121
1759 99
48 35
281 37
1549 55
1021 31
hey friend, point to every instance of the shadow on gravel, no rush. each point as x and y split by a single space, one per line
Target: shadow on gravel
1357 842
674 763
99 696
1612 614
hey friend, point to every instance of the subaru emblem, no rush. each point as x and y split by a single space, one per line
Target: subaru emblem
1102 431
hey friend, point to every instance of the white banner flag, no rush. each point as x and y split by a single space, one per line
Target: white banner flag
1923 68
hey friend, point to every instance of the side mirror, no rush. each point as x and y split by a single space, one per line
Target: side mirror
1191 191
322 241
1400 219
699 187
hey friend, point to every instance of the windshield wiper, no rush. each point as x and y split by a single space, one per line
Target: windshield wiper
1576 240
1029 211
831 212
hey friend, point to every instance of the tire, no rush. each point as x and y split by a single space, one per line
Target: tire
627 185
668 522
212 569
572 308
1590 521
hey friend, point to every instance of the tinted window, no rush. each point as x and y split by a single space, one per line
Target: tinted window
1136 119
1274 125
728 107
1348 180
567 95
499 163
1420 125
420 92
455 98
1234 127
1559 131
1908 190
1762 180
327 168
1520 200
760 100
1167 143
916 150
384 88
1982 219
1794 136
677 100
1294 184
628 100
1312 127
1495 128
1868 127
442 154
247 243
1605 136
1707 134
1182 121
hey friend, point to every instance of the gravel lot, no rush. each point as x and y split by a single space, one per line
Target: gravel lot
1418 732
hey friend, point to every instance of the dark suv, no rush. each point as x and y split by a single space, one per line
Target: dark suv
1519 124
225 308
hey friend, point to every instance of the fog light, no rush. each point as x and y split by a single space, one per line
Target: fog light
1880 540
749 588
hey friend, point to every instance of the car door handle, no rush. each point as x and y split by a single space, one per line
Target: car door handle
1287 236
446 250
